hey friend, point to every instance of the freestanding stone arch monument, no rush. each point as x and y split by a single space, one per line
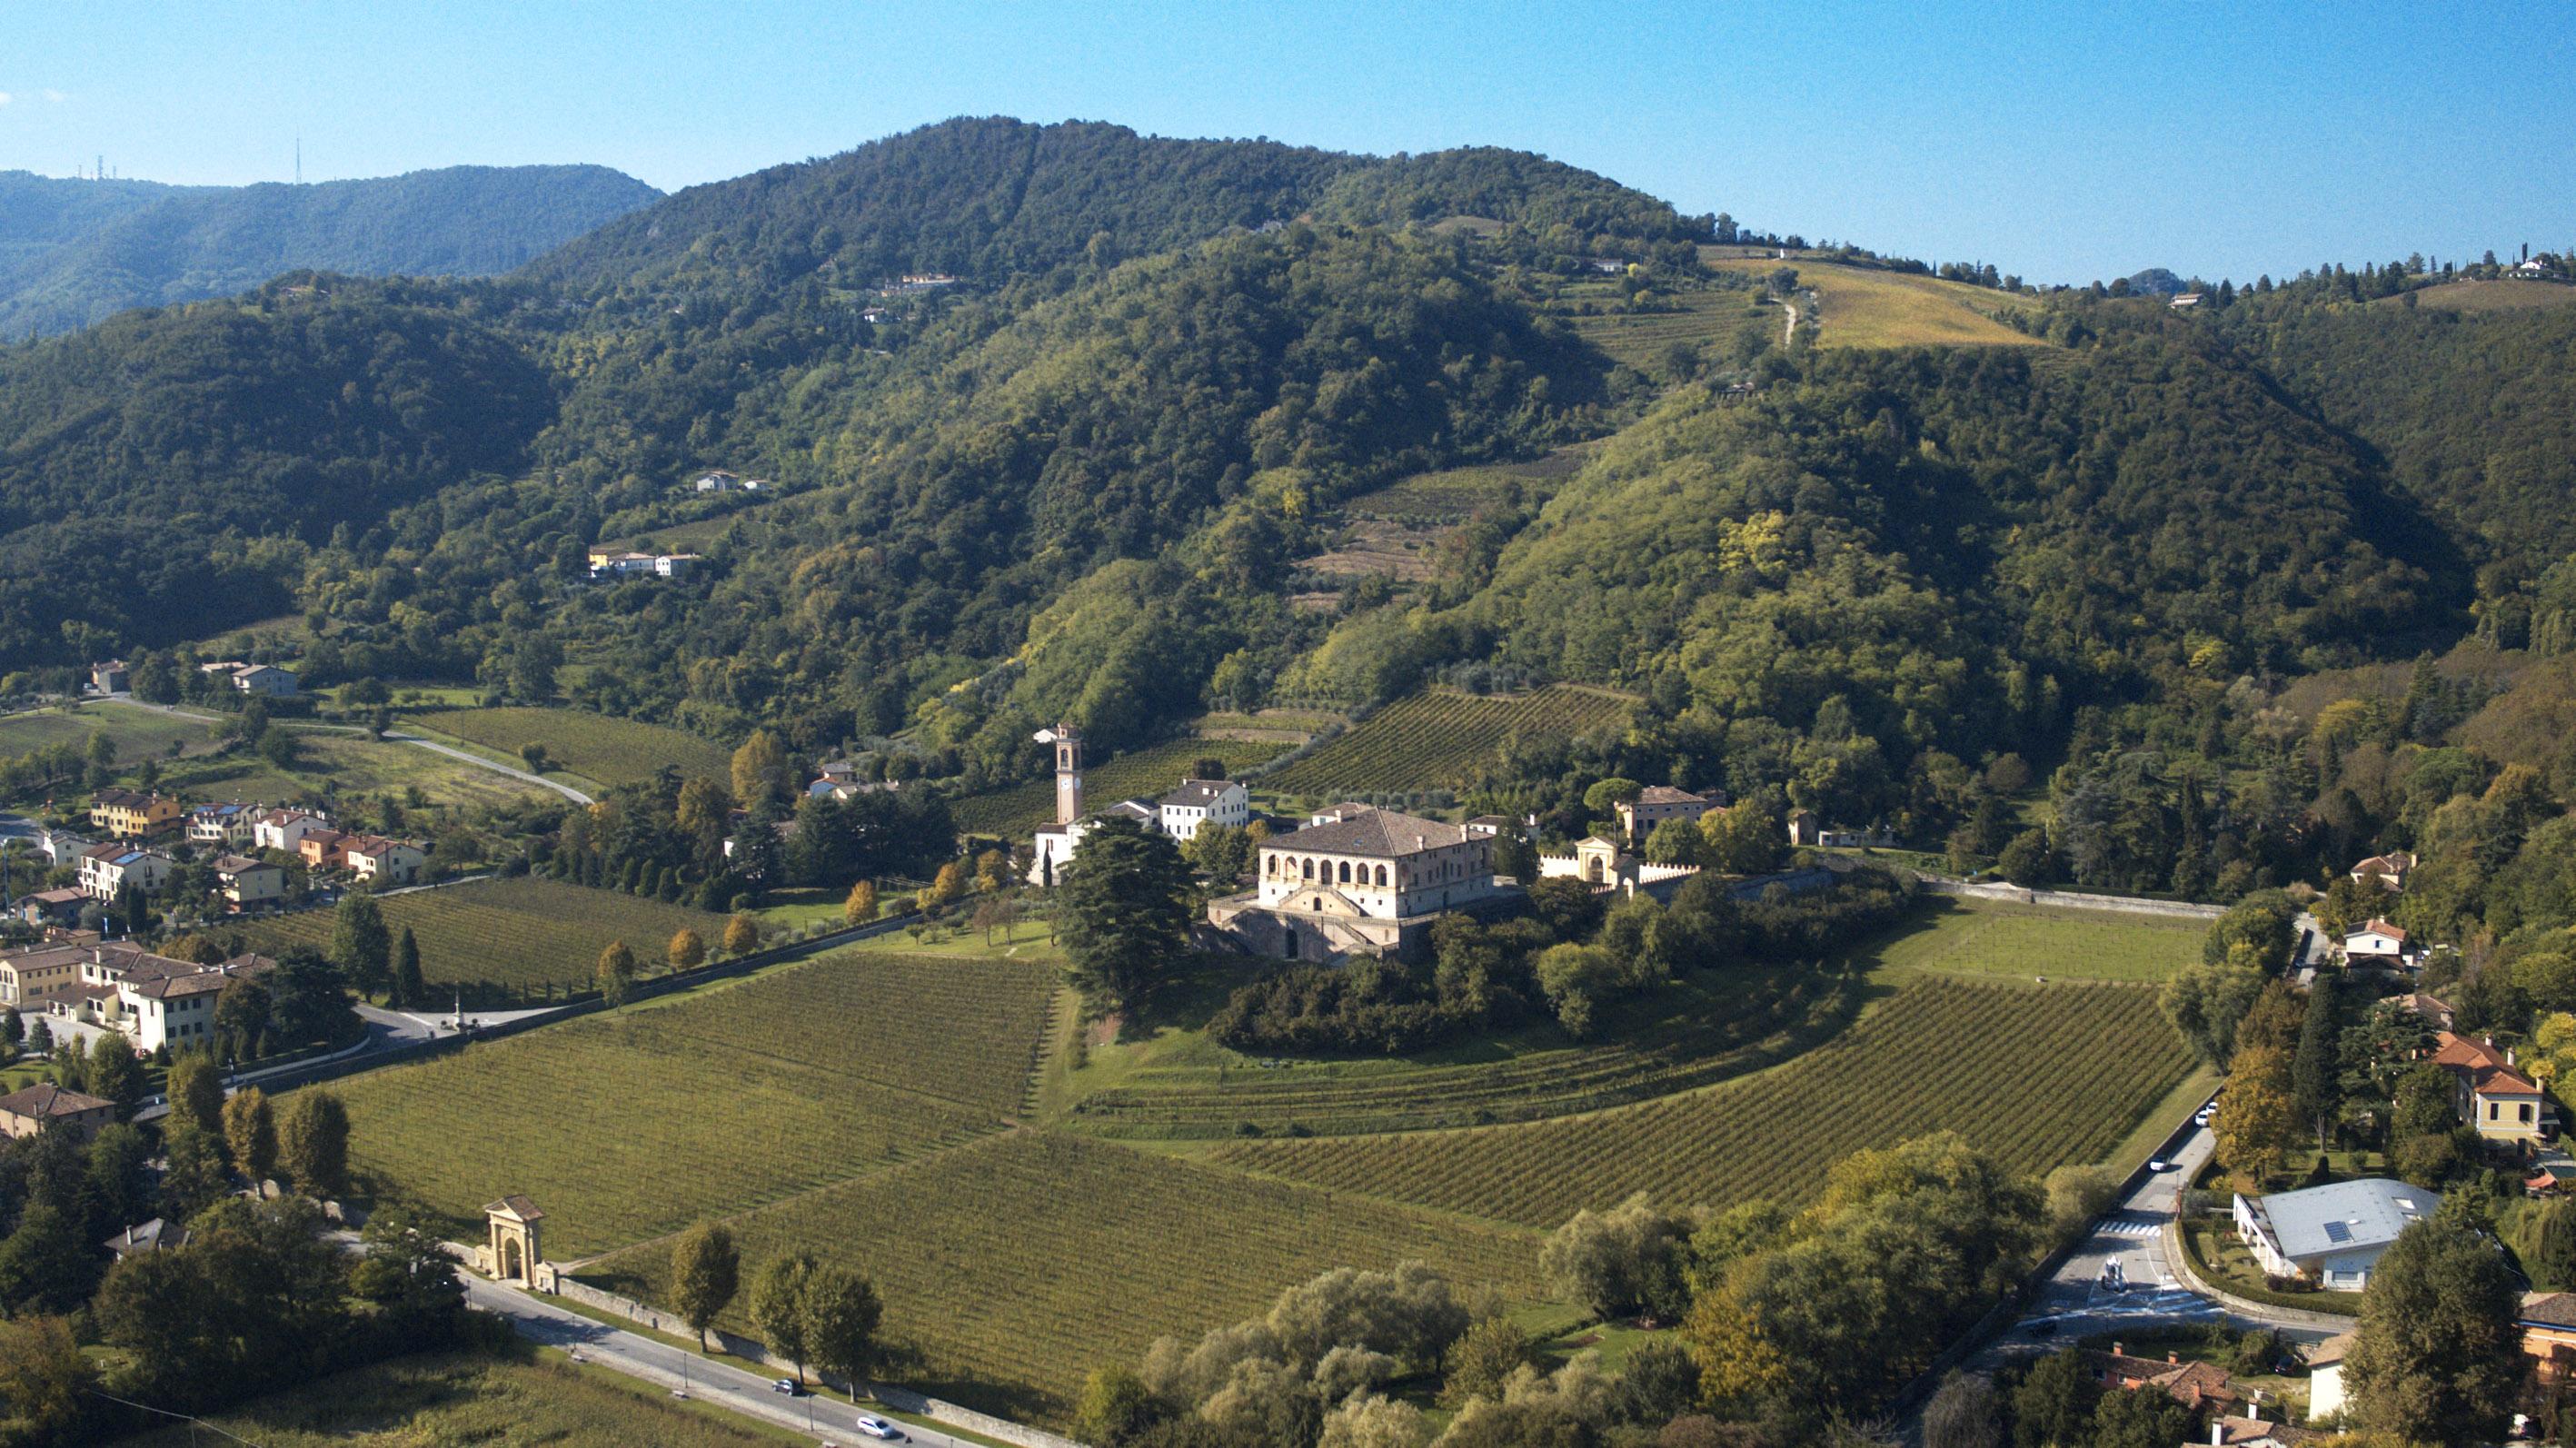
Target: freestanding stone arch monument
516 1240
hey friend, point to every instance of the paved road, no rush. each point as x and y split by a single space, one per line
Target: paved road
479 762
832 1420
2074 1302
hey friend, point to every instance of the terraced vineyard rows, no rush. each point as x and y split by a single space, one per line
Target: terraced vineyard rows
1641 339
594 746
516 933
1152 773
2040 1076
1017 1265
1436 739
630 1125
1452 495
1716 1032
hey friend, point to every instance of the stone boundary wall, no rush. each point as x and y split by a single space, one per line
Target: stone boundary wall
2070 899
903 1400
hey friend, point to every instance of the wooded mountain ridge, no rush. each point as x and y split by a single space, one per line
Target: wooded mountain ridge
1050 413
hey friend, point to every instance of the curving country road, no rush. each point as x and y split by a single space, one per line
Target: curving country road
479 762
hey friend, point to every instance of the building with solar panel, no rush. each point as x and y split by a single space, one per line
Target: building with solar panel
2330 1235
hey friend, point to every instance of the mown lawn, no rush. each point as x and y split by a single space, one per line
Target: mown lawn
595 747
138 734
515 933
1996 938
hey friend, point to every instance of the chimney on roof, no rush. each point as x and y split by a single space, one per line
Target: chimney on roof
2115 1351
2173 1357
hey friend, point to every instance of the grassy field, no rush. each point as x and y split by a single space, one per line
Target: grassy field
1151 773
331 763
138 734
1993 938
1453 495
1017 1264
1436 740
609 751
2503 295
1644 339
461 1398
632 1124
1863 307
518 933
2040 1076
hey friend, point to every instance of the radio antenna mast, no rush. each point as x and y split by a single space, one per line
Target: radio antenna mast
299 160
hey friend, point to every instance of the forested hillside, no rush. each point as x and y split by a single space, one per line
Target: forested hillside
74 252
1076 473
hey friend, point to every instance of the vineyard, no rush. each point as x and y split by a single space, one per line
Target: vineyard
1017 1264
1151 773
1983 937
2040 1076
1694 1032
594 746
1642 339
630 1125
1453 495
1437 740
517 933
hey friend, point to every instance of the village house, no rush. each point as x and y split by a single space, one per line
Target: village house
320 849
2196 1385
265 680
1203 802
284 830
1660 802
2548 1323
161 1002
2377 945
2330 1235
221 824
247 882
111 677
2325 1376
50 907
153 1236
1375 882
718 481
109 868
1805 830
381 861
2387 871
2432 1010
132 814
628 564
2493 1098
48 1107
30 979
60 847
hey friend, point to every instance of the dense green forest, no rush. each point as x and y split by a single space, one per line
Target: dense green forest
74 252
1075 477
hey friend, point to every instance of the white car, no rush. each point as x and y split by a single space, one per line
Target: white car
879 1428
2160 1165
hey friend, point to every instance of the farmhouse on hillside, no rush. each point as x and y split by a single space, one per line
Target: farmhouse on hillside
2376 946
2330 1235
2388 871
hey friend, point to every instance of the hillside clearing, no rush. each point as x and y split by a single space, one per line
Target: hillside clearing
515 933
1018 1264
1996 938
1864 307
137 733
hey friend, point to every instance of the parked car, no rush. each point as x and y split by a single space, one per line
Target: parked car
789 1386
879 1428
2160 1165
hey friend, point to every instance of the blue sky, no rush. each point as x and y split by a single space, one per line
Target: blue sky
2066 144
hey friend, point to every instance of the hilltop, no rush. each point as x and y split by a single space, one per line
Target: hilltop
73 252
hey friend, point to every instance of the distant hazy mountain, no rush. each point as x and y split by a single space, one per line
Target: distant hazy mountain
73 252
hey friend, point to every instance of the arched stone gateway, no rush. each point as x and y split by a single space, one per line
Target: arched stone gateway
516 1243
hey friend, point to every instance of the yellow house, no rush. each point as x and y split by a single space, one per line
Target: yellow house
2494 1099
2548 1322
132 813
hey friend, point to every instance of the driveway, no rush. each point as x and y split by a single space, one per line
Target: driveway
830 1419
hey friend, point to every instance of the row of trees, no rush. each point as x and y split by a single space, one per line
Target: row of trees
806 1310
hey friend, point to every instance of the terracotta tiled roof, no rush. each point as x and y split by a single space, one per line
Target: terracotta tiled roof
2549 1309
1379 834
45 1100
1666 794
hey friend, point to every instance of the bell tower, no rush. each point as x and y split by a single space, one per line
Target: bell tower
1068 770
